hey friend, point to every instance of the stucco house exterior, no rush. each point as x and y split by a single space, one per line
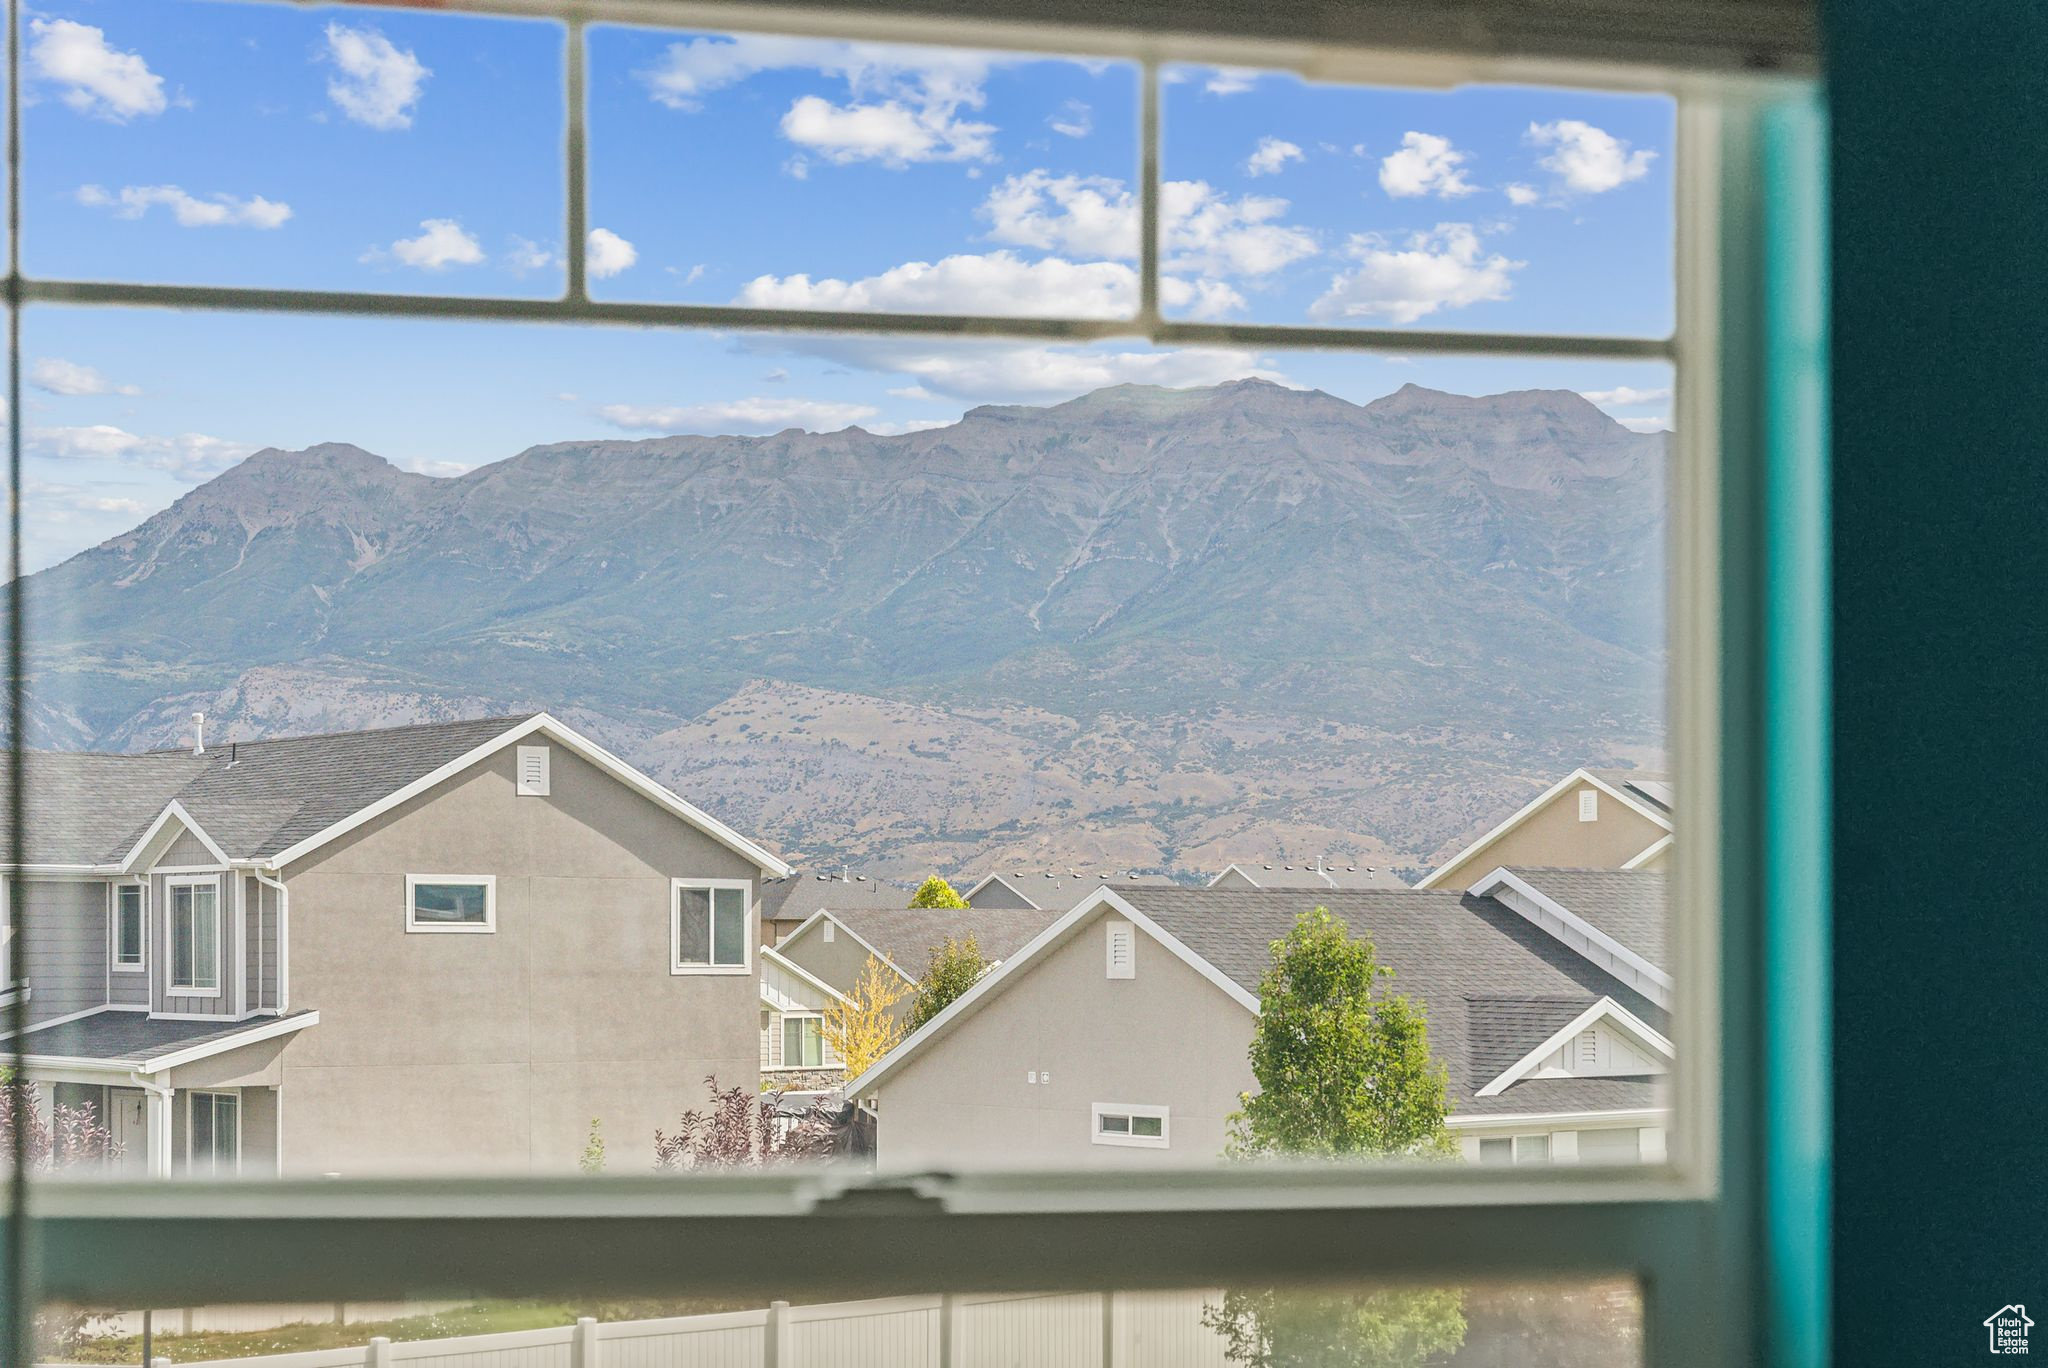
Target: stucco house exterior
1120 1033
1590 819
442 948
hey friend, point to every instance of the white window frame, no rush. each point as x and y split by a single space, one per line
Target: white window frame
192 1094
1130 1111
114 892
1661 1222
487 926
676 888
783 1043
173 988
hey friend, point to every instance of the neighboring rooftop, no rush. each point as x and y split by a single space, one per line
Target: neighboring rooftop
1052 890
1325 874
1631 905
1652 788
799 895
909 935
112 1036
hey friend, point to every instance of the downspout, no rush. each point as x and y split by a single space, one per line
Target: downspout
156 1121
282 992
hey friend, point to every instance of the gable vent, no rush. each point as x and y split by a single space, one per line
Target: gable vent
533 771
1589 1048
1589 805
1123 950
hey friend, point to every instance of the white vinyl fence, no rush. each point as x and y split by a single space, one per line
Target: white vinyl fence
186 1320
1076 1330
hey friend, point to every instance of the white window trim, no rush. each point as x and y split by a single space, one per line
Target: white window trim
172 988
114 891
190 1094
485 927
782 1043
675 927
1163 1140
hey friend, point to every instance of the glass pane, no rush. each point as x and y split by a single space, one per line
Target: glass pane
1511 209
1115 1125
1532 1149
203 1118
693 937
1148 1125
792 1041
1486 1324
954 182
182 933
729 926
449 902
205 938
319 147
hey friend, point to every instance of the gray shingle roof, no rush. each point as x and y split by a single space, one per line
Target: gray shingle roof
1466 961
1631 905
1646 786
1063 892
133 1038
800 895
908 936
255 798
1289 877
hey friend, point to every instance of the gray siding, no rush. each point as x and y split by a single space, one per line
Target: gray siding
468 1052
64 945
187 852
260 951
127 987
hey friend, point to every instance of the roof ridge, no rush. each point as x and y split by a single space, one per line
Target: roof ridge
507 719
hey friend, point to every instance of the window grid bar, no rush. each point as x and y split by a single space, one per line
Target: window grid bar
1148 195
264 299
575 158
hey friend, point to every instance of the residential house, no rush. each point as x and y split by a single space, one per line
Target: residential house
1245 877
1120 1033
1049 890
1590 819
795 1054
439 948
787 902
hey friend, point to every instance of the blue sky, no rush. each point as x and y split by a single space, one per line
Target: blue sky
190 141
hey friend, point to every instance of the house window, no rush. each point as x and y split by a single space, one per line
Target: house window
1611 1146
803 1042
1122 1123
213 1131
708 928
1515 1149
195 938
129 922
451 902
1589 805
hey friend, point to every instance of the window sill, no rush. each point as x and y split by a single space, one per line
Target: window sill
686 970
425 929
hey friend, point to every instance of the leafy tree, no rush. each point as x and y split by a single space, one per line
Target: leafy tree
593 1149
952 969
863 1026
936 892
1344 1070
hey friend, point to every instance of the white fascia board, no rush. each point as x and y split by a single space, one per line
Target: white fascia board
1104 899
579 745
173 810
1648 853
276 1027
988 879
1606 1009
825 914
1536 804
1532 1120
1227 871
1503 878
768 956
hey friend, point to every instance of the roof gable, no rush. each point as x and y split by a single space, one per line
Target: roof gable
1605 1011
1637 802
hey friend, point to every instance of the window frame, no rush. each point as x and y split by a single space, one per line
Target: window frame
172 987
140 964
213 1096
676 964
1132 1113
488 926
814 1019
1737 1186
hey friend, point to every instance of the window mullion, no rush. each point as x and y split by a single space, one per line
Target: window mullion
575 106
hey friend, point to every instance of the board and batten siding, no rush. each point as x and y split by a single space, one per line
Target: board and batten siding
64 944
186 851
259 958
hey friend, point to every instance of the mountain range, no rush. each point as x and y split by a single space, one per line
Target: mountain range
1145 629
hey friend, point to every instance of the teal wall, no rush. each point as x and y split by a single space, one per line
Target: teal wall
1940 477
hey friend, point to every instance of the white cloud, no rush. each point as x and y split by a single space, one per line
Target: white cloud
609 253
1588 160
1002 372
1645 424
909 425
755 415
189 456
1624 395
1230 80
993 283
190 211
1206 300
442 243
1270 156
905 103
54 375
1521 194
910 392
376 83
1207 233
1442 268
97 79
526 256
1425 165
1074 119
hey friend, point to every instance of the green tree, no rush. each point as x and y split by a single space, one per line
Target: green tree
1344 1070
951 970
936 892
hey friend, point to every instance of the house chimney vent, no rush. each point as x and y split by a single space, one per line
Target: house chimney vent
199 733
